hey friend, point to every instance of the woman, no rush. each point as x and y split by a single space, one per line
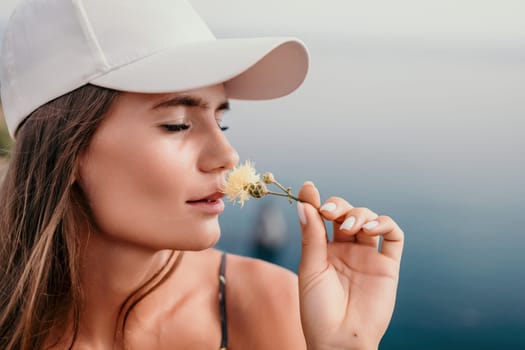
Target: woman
111 201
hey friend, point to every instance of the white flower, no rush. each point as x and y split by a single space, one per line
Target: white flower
243 182
238 181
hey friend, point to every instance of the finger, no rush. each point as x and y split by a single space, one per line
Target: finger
309 193
338 210
335 209
393 236
372 241
314 243
351 225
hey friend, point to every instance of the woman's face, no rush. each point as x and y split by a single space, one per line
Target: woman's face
153 170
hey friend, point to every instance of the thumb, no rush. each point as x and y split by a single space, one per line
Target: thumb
314 238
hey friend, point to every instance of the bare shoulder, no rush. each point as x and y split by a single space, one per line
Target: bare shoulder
263 305
262 279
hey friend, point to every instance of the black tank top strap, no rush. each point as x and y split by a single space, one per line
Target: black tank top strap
222 303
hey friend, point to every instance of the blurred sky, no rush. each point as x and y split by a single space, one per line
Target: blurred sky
416 109
497 21
452 20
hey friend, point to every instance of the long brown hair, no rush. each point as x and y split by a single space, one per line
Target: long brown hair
41 209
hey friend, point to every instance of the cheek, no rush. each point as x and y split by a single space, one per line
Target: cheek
139 196
122 179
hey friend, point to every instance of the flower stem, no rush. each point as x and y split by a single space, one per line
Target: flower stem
287 190
288 194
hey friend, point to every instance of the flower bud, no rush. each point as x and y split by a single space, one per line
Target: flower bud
256 189
268 178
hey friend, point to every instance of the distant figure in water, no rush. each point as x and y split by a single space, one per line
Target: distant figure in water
270 235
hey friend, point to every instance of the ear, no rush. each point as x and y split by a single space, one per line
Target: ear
79 166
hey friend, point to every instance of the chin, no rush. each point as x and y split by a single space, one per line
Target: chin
211 239
201 238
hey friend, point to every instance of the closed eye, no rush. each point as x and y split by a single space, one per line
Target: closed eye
222 127
175 127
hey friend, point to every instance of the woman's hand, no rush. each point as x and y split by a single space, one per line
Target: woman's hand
347 287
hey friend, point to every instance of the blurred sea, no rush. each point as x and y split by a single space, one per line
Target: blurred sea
432 135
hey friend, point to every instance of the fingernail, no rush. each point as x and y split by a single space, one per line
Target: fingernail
371 224
348 223
328 206
301 213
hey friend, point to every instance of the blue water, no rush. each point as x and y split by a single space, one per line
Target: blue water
455 292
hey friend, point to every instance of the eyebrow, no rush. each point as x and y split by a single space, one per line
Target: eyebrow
191 101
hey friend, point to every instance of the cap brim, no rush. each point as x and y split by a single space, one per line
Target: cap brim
251 69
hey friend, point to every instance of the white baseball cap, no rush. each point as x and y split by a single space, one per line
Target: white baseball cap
52 47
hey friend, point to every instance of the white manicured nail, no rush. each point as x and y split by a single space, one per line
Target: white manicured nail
371 224
328 206
348 223
301 213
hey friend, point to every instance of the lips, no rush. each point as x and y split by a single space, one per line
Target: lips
212 198
211 204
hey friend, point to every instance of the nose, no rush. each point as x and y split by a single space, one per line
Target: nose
218 154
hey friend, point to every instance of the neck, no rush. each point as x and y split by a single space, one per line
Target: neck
114 276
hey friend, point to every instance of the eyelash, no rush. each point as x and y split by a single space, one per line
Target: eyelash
175 127
222 127
182 127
